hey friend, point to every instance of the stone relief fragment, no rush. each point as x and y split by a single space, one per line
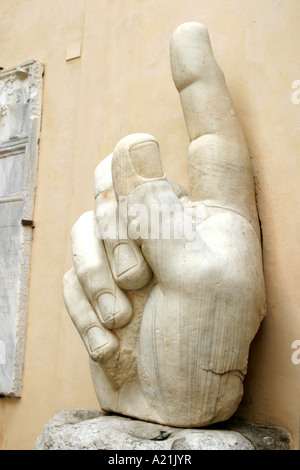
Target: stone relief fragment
167 288
20 120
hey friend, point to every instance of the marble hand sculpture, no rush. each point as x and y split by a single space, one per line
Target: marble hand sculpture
169 301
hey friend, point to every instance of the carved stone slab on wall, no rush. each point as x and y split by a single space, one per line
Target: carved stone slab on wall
20 122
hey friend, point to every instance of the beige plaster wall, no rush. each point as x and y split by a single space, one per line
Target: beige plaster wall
122 84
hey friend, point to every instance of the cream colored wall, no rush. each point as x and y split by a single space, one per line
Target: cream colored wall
122 84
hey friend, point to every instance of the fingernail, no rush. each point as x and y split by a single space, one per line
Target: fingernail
97 338
124 258
145 158
109 307
101 344
114 313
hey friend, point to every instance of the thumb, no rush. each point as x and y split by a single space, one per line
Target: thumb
156 216
136 160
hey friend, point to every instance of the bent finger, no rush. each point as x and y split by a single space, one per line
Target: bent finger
128 266
92 269
99 342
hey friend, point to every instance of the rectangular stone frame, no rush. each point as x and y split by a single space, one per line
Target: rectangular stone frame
20 123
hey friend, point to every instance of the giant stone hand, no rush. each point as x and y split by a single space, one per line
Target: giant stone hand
168 302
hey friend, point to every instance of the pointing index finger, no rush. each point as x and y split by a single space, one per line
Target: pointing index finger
200 82
219 168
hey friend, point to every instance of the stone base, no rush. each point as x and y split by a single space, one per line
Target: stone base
98 430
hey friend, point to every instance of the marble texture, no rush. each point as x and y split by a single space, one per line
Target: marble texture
20 120
81 429
167 288
92 430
